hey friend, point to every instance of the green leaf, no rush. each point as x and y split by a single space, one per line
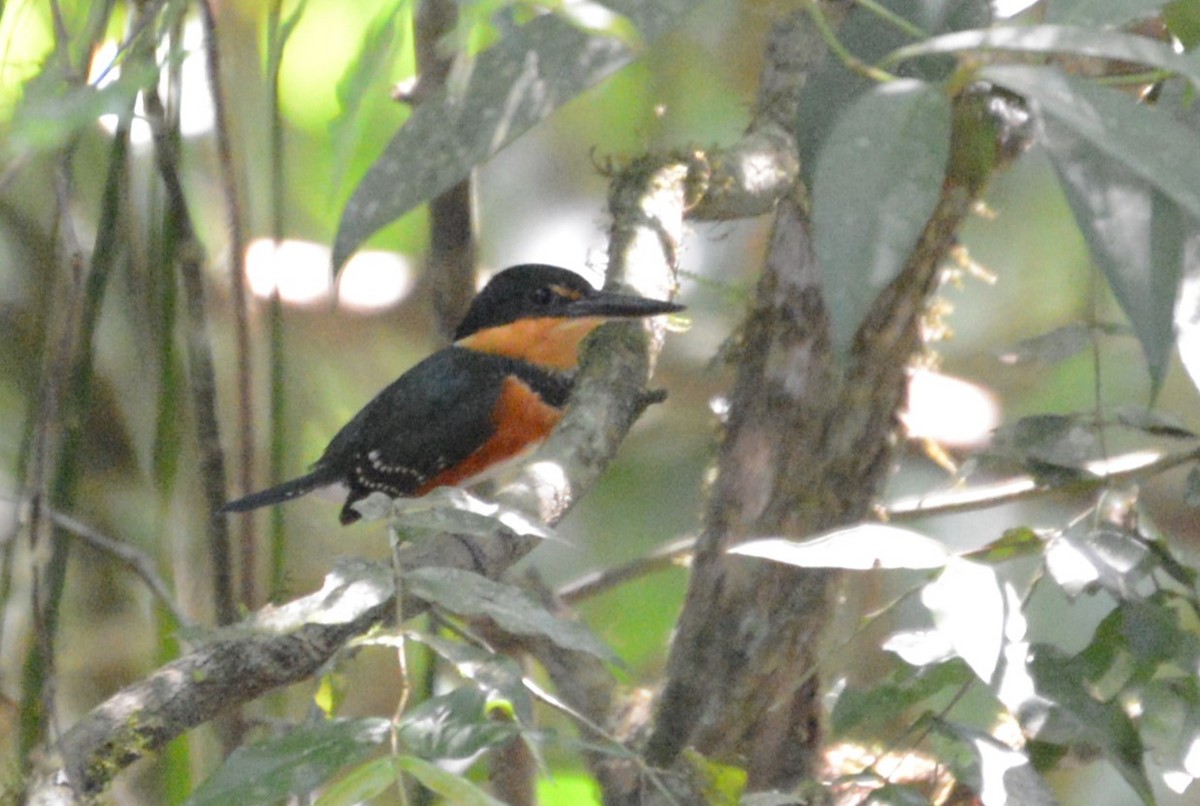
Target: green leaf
498 675
1066 713
1058 440
365 75
997 773
297 762
1101 12
1155 423
1152 144
878 179
514 610
1135 234
1017 542
366 781
1191 495
452 726
1049 348
967 606
1183 21
454 788
862 547
1051 39
514 84
868 712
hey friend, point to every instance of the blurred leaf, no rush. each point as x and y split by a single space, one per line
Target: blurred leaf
1126 168
295 763
832 86
1152 144
367 781
862 547
1059 440
1183 21
968 609
520 80
1135 235
365 75
1048 39
452 726
1191 495
1156 423
498 675
454 788
869 712
467 594
1113 558
1017 542
721 784
1070 715
1100 12
998 774
898 795
53 110
1050 348
878 179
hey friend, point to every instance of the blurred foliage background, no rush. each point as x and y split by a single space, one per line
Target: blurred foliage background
542 199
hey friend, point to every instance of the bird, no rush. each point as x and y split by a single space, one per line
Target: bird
496 392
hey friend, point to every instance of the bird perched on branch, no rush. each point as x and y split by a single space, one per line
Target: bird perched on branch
496 392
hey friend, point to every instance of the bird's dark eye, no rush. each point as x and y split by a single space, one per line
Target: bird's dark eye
544 295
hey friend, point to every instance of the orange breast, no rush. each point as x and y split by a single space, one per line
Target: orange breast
522 420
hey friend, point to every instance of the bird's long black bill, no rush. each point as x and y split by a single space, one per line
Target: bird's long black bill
608 303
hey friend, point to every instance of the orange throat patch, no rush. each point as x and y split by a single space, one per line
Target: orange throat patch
547 342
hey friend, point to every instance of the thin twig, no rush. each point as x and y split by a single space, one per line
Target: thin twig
1023 488
597 582
237 281
127 554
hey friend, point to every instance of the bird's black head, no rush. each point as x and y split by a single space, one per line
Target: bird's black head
538 291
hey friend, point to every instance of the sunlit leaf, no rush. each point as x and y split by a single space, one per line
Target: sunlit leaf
454 788
1115 559
967 606
452 726
367 781
1053 39
514 610
996 772
878 179
498 675
868 545
297 762
920 647
512 85
1068 714
1187 310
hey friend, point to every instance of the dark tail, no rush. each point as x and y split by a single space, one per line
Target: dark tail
284 492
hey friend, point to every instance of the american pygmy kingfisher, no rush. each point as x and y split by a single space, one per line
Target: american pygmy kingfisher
497 391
